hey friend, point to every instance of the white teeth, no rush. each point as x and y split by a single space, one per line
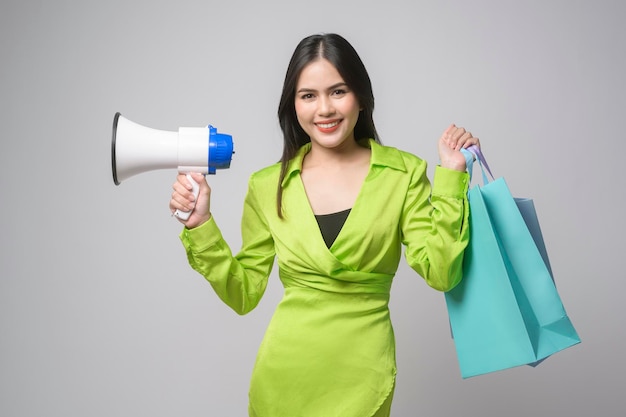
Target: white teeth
328 125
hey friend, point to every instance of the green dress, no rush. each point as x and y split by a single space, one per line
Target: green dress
329 350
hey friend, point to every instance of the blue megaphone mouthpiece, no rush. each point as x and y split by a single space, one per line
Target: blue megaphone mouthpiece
220 150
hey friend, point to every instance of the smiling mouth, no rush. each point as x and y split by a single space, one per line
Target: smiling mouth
328 126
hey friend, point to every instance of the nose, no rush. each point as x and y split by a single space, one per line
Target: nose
325 106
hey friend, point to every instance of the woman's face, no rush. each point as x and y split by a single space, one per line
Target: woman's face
326 108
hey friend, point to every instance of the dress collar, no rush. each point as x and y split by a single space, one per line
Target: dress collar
384 156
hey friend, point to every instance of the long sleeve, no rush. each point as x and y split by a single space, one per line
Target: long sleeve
240 280
435 226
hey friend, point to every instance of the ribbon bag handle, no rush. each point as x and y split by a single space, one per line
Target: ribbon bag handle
471 153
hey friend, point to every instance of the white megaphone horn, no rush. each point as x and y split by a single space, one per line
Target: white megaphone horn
136 149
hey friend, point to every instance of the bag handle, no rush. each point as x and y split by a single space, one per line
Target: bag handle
473 152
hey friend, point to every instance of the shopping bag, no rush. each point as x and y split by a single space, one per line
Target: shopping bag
526 207
506 311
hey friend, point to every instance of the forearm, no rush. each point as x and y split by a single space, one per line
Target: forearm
239 281
438 233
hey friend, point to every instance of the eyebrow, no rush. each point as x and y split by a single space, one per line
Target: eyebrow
332 87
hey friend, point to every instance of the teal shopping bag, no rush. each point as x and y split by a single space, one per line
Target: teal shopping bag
526 207
506 311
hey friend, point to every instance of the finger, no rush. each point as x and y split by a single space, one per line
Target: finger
454 135
182 179
186 183
471 141
464 140
182 199
177 202
197 177
182 191
449 129
458 134
447 134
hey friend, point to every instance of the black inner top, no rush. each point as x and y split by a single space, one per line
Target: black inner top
331 224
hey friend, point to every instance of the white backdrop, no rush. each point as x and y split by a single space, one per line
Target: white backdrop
100 314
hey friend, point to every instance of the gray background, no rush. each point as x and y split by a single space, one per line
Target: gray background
100 314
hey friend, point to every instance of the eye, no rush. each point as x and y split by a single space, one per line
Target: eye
306 96
339 92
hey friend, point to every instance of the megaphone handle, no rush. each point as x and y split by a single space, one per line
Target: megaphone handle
195 189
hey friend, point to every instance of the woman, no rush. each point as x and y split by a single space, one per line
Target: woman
336 212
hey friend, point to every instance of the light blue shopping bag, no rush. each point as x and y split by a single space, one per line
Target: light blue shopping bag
506 311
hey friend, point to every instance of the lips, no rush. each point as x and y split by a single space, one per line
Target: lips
328 126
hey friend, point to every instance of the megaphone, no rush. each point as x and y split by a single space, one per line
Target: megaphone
136 149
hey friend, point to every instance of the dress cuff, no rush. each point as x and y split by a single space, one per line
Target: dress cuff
450 182
202 237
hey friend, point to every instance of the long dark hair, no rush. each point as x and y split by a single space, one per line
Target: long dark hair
344 57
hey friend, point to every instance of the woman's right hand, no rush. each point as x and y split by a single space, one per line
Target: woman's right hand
450 144
183 200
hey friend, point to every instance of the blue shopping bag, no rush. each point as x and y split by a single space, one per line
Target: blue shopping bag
506 311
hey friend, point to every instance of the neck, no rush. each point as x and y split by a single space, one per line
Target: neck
347 152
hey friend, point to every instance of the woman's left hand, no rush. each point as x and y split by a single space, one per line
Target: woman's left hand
450 144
